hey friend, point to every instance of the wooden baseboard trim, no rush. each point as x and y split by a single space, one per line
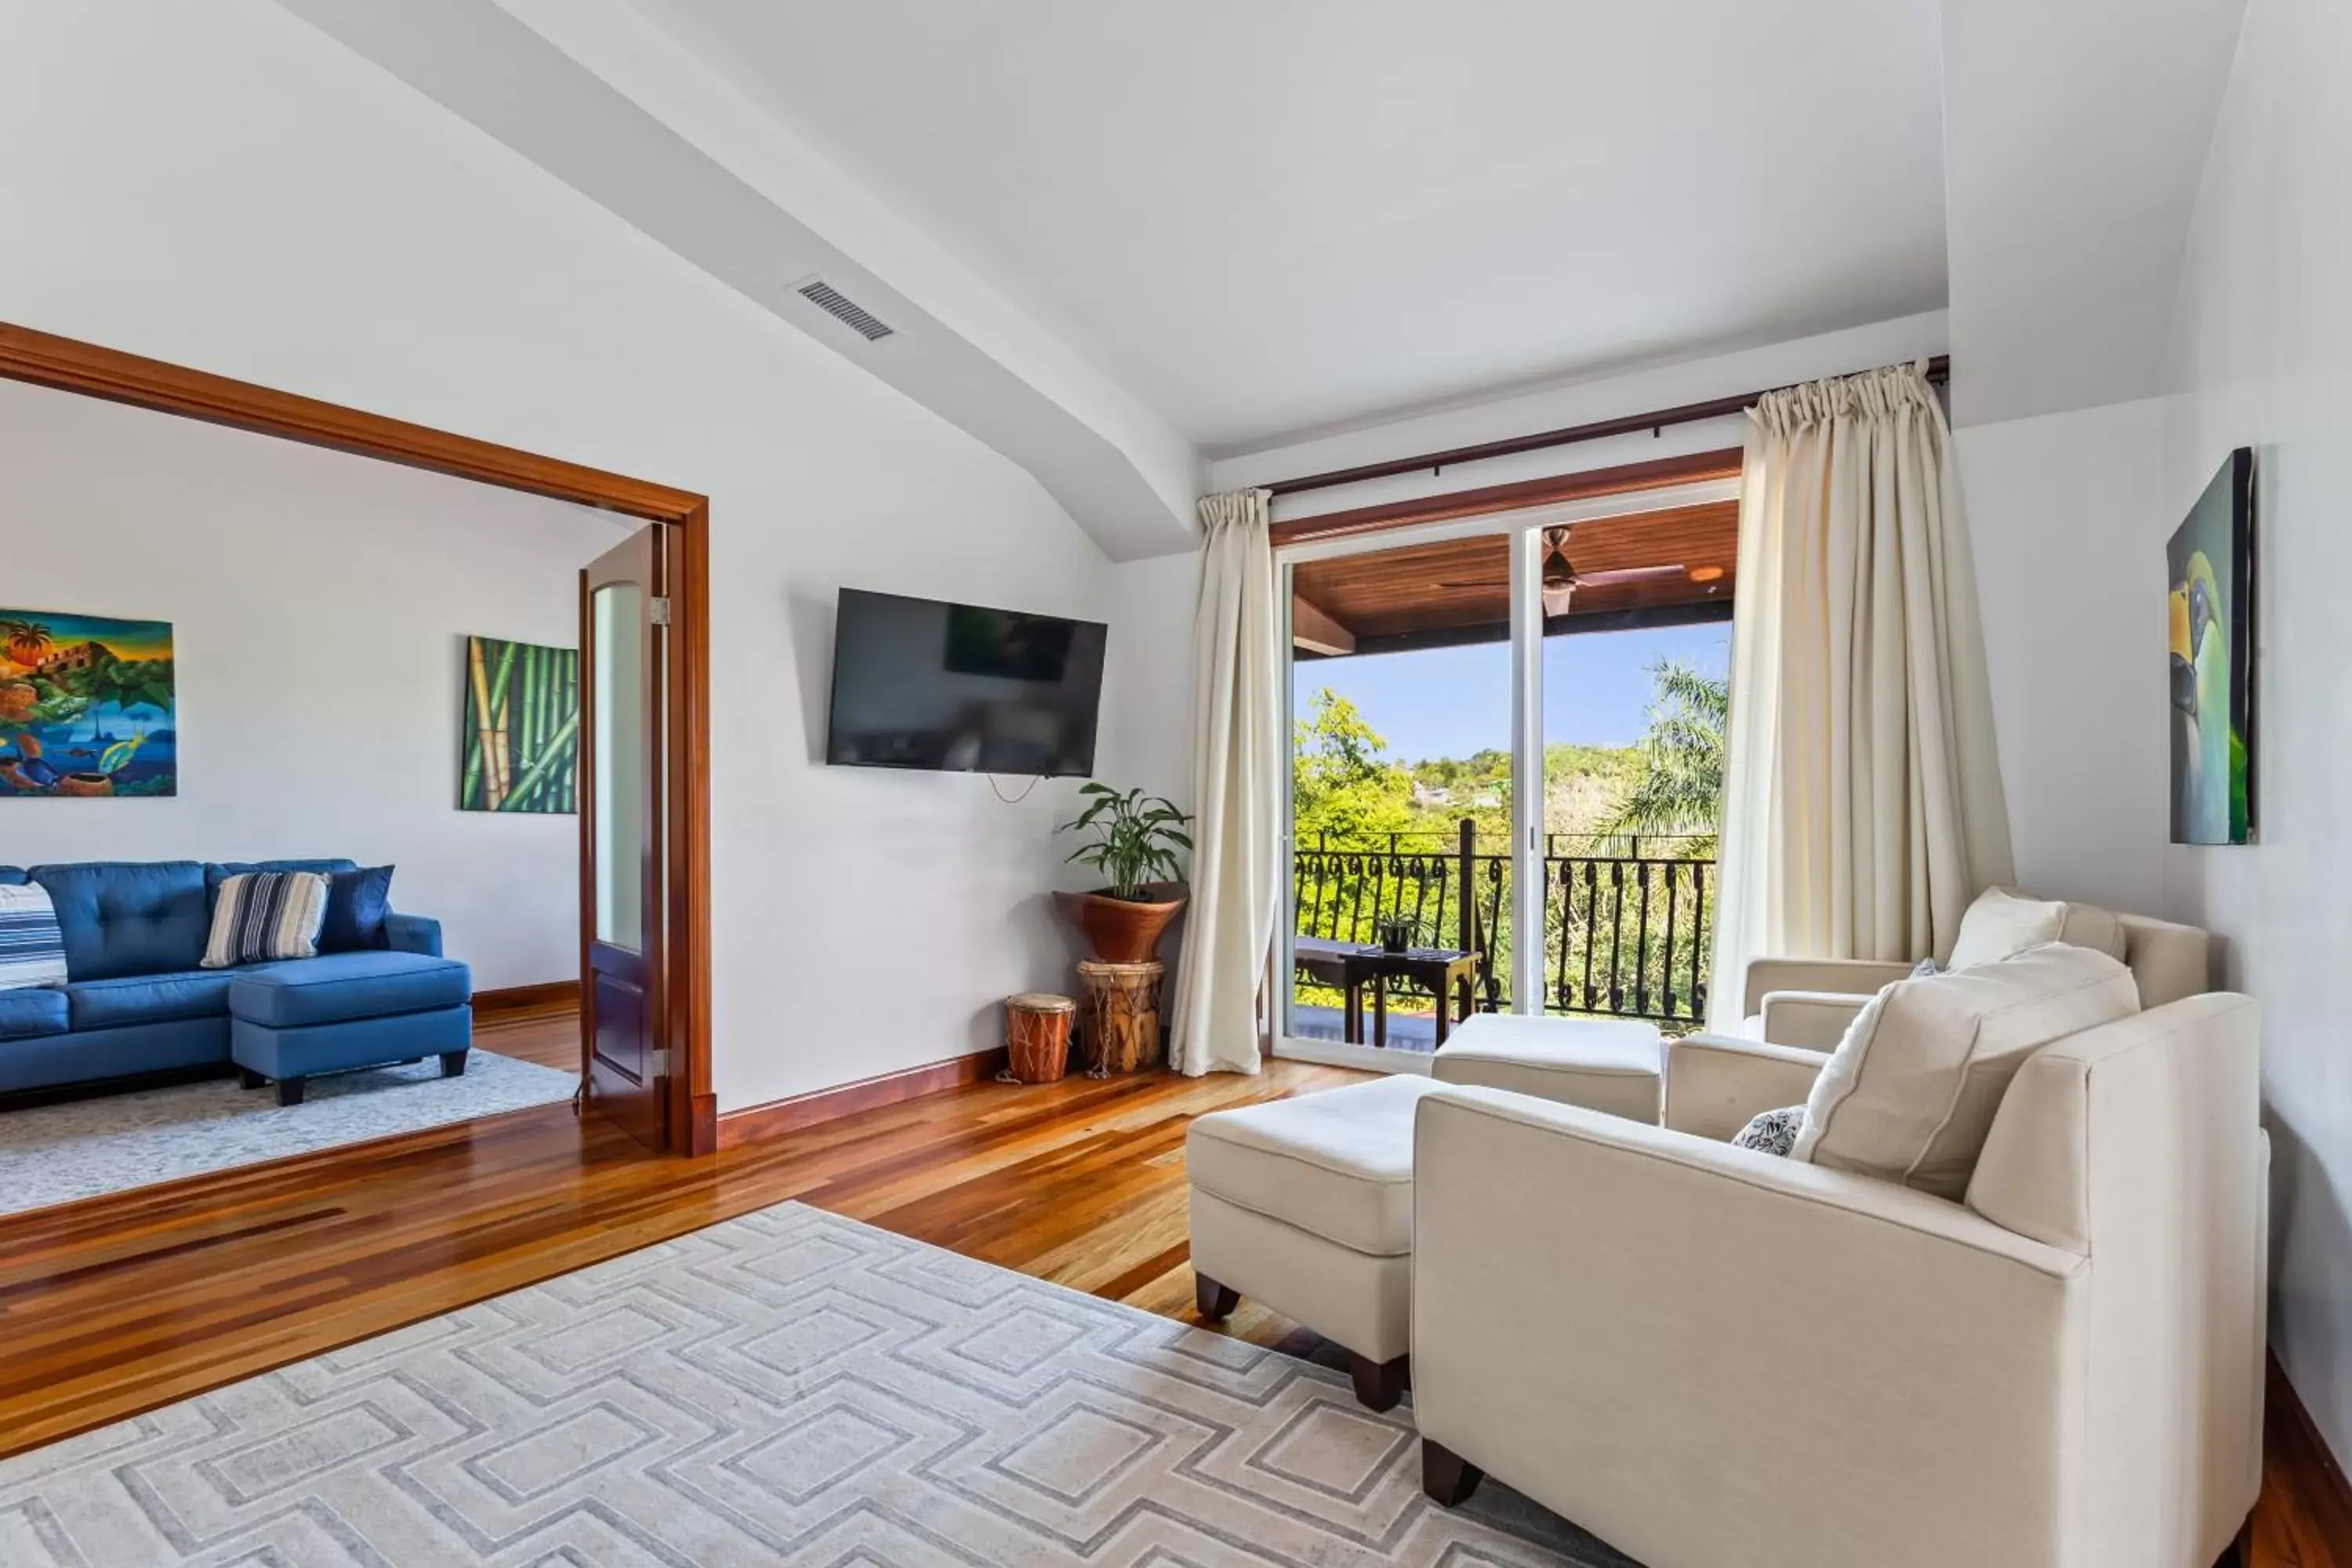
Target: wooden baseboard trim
2318 1465
506 1000
755 1122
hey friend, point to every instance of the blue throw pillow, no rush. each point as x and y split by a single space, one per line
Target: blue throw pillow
357 902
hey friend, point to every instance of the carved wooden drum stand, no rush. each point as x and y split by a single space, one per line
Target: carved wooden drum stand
1118 1015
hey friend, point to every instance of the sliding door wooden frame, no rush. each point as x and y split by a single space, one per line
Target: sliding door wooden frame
1595 509
65 364
1526 512
1490 500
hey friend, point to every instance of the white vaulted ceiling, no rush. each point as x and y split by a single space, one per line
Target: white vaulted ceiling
1262 218
1119 237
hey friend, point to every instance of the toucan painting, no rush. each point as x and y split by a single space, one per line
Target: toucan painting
2211 617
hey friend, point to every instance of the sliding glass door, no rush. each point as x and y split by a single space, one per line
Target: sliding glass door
1636 653
1480 816
1400 788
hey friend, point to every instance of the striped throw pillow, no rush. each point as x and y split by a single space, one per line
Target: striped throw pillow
32 948
262 915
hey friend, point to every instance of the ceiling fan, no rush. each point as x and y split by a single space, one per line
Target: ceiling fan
1562 579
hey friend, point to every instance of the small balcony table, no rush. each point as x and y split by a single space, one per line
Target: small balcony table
1446 973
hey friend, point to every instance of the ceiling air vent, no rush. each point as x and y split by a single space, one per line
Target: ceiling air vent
845 310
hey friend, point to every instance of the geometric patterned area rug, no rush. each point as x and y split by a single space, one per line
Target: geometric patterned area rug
787 1387
81 1148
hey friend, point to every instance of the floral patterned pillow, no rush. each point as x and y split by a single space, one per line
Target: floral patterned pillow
1772 1132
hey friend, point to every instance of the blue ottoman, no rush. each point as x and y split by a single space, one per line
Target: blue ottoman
290 1021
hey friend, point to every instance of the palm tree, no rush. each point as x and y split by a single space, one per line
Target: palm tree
26 640
1682 790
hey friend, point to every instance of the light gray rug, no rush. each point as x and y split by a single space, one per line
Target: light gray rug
787 1387
81 1148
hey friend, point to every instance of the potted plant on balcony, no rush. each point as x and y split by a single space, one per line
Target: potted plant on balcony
1135 841
1397 934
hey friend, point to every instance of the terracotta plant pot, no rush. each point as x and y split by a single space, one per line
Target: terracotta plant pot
85 783
1123 931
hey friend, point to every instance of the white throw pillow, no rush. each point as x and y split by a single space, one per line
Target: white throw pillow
2087 925
2003 921
32 947
258 916
1772 1132
1910 1093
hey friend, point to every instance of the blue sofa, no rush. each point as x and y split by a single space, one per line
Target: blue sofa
137 1001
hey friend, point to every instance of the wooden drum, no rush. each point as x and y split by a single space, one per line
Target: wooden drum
1037 1036
1119 1016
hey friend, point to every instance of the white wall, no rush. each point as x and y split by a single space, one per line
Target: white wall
235 191
1583 402
1148 707
2262 355
2070 515
2060 509
319 604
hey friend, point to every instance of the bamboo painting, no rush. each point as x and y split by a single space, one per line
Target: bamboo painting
521 737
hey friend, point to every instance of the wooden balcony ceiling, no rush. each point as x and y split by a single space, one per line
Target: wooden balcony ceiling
1459 590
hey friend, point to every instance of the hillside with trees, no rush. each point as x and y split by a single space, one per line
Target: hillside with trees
1349 792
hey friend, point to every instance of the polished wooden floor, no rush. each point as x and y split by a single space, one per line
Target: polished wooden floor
118 1304
550 1036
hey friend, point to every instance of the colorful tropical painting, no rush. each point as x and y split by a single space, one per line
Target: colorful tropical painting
87 706
2211 610
521 741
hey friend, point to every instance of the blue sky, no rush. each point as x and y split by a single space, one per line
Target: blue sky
1450 702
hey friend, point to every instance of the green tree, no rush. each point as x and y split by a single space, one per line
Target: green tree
1345 795
1681 791
1342 782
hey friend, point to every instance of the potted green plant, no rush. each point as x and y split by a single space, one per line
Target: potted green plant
1134 844
1397 934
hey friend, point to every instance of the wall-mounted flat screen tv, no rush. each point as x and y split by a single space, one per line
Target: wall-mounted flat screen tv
921 683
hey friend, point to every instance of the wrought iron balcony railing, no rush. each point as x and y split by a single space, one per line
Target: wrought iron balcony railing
1629 923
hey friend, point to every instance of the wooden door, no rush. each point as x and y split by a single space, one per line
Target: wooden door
623 622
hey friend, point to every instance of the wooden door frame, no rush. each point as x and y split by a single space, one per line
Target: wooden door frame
66 364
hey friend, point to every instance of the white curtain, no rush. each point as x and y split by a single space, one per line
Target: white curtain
1863 802
1236 750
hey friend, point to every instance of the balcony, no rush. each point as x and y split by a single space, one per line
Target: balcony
1417 719
1628 923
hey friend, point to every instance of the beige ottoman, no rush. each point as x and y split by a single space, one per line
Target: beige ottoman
1601 1064
1307 1206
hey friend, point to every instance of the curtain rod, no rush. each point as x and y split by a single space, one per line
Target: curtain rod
1940 369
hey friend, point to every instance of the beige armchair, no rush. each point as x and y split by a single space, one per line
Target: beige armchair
1809 1002
1706 1354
